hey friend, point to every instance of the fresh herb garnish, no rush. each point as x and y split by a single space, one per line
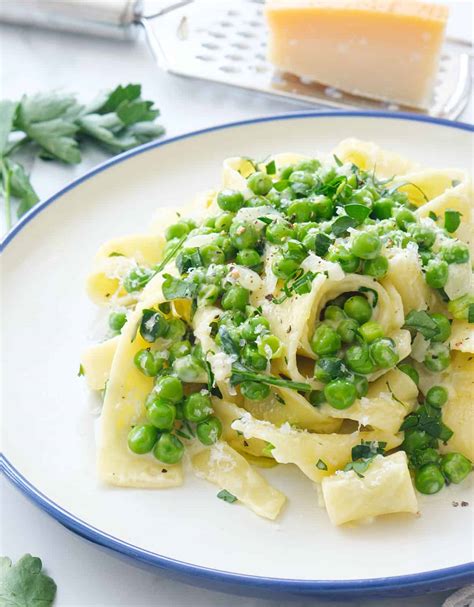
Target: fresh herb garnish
322 242
433 216
299 284
321 465
363 455
115 254
53 125
267 450
81 371
169 255
421 321
266 220
24 584
240 374
373 292
470 313
177 288
226 496
359 212
271 168
342 224
337 160
452 220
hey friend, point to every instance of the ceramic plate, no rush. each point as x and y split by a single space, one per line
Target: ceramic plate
48 427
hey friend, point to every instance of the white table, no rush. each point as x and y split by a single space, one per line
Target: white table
39 60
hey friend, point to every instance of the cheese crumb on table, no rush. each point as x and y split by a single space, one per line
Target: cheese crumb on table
383 49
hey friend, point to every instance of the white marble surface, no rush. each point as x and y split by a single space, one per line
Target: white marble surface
38 60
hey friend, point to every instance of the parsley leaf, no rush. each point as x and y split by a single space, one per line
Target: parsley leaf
342 224
421 321
359 212
7 117
81 371
21 187
271 168
24 584
226 496
452 220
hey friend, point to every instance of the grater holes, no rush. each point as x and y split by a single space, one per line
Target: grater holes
229 69
245 34
260 68
254 23
260 56
217 35
232 13
225 24
205 58
240 45
211 46
233 57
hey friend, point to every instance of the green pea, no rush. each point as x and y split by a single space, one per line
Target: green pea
348 330
437 396
286 172
370 331
254 390
284 267
208 295
254 327
428 456
252 358
358 359
323 207
436 273
249 258
366 245
153 325
410 371
300 211
423 236
334 313
169 389
117 320
363 196
444 327
416 440
403 218
293 249
358 308
230 200
161 414
225 244
325 341
311 165
302 182
377 267
189 370
383 353
437 358
347 260
428 479
197 407
340 393
176 329
177 230
382 208
455 467
256 201
328 368
209 431
149 363
316 398
361 384
137 279
235 298
260 183
211 254
278 232
179 349
426 257
270 347
210 222
168 449
455 252
223 222
141 439
303 229
243 235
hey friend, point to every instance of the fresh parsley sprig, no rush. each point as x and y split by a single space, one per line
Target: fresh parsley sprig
24 584
54 125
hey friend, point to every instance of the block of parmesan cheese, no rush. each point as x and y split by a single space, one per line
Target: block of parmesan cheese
385 488
382 49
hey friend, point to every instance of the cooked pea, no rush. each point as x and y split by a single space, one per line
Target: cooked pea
230 200
284 267
252 358
278 232
137 278
249 258
302 182
300 211
347 260
455 467
209 431
316 397
325 341
208 294
358 308
254 390
141 439
340 393
149 363
444 327
293 249
197 407
455 252
416 440
382 208
358 359
366 245
169 389
117 320
361 384
168 449
334 313
253 327
410 371
377 267
428 479
323 207
260 183
189 370
328 368
153 325
437 358
404 217
224 221
437 396
270 347
423 236
383 352
243 235
436 273
235 298
370 331
428 456
177 230
179 349
348 330
161 414
176 329
212 254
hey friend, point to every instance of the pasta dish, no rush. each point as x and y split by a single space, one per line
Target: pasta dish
310 311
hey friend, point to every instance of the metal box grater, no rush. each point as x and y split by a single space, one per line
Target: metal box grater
225 41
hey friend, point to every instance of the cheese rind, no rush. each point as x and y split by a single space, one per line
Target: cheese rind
384 49
385 488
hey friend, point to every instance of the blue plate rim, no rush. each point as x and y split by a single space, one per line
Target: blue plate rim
449 577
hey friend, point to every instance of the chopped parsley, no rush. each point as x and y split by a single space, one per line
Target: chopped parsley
226 496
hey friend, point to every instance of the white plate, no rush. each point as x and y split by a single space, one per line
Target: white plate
48 427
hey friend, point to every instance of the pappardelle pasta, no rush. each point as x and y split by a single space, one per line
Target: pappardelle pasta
312 311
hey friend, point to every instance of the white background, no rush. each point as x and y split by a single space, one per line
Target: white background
39 60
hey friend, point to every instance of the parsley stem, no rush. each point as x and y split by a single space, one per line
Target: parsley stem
6 173
241 374
17 144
